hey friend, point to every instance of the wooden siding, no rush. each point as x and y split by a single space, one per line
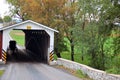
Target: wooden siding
1 44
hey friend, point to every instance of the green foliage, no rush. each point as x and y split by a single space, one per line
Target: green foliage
80 74
1 20
60 43
114 68
93 33
108 46
7 19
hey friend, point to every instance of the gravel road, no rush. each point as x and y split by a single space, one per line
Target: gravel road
35 71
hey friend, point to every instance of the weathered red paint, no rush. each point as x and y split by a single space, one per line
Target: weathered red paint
1 35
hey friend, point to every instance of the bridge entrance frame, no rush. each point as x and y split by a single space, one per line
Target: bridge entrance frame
29 27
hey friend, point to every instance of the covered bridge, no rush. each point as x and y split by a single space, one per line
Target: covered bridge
39 38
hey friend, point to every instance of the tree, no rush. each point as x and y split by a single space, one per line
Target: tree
114 17
69 22
93 30
47 12
7 19
16 7
1 20
95 25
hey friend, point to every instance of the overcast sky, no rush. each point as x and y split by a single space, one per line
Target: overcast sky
4 8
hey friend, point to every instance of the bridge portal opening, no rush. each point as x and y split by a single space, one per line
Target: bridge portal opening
37 43
36 47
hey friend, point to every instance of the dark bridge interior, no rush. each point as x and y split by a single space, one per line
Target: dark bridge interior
36 44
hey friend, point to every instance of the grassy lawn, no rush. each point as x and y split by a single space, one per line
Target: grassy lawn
1 72
18 35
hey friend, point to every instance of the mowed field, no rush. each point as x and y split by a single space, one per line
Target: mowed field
18 36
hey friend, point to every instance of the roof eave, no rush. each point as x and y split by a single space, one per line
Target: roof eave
4 28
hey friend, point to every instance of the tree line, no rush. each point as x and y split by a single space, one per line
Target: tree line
88 25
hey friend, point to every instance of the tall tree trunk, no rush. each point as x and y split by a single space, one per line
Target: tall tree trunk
71 45
58 54
72 49
82 57
83 27
93 58
103 58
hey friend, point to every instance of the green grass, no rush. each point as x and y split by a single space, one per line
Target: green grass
80 74
1 72
18 35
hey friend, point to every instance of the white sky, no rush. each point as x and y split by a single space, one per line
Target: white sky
4 8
